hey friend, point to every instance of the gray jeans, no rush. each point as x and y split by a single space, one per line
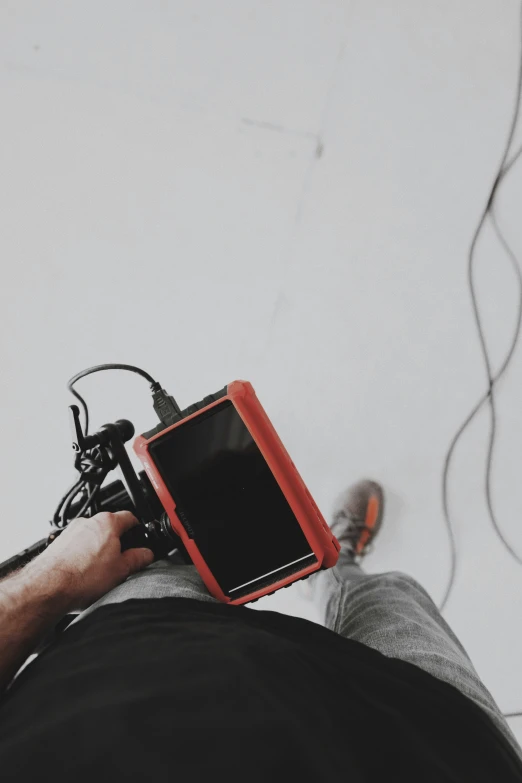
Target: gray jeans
390 612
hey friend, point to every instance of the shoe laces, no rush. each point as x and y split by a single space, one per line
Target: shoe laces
351 534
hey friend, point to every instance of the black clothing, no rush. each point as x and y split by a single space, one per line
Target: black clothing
174 689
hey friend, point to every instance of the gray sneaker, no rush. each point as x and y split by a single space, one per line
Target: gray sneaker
357 517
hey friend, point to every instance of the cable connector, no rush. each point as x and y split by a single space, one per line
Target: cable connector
166 407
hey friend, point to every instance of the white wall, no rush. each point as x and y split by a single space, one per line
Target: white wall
151 214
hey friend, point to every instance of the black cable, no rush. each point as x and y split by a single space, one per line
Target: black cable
489 211
512 161
453 554
66 508
493 429
90 498
97 368
480 403
503 169
76 487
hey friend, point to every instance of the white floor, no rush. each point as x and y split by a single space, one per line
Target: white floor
285 193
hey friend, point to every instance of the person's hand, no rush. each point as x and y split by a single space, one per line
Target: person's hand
87 556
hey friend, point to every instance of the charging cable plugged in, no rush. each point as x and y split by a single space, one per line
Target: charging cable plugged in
166 407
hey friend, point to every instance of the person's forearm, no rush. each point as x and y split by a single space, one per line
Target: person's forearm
32 601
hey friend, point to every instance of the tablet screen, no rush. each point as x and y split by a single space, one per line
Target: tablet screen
226 494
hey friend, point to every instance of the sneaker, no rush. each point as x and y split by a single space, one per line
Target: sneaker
357 519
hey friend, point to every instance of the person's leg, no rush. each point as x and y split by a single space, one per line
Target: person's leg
170 577
392 613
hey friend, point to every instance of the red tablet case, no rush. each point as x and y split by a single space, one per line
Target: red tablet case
320 538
